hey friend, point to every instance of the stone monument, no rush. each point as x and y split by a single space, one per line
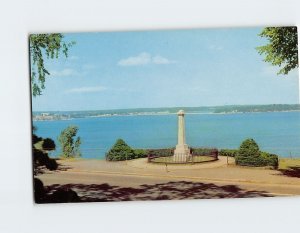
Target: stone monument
182 151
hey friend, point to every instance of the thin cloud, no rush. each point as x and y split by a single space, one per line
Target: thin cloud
161 60
86 89
144 59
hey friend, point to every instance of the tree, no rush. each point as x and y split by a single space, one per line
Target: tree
120 151
41 147
250 155
249 148
282 49
41 161
40 45
69 145
48 144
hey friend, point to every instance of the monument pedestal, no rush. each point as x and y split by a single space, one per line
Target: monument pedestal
182 151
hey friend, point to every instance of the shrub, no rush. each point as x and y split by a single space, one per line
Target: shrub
249 148
41 158
270 159
48 144
140 153
249 155
203 151
120 151
251 161
160 152
228 152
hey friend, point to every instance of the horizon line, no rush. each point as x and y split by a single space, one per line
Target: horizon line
204 106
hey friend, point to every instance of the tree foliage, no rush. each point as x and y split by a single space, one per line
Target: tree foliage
41 161
48 144
229 152
282 49
40 153
249 148
69 144
250 155
120 151
40 45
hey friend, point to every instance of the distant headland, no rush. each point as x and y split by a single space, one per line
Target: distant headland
226 109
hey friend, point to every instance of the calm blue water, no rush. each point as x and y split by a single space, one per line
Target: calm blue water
275 132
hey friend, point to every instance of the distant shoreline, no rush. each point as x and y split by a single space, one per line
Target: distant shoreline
156 114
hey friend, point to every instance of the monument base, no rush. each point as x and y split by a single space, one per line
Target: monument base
182 153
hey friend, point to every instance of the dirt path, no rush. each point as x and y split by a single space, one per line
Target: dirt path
223 180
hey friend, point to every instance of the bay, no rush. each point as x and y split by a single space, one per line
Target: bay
275 132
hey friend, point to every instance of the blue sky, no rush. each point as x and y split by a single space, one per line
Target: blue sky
203 67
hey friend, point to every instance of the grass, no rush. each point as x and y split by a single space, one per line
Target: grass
286 163
39 145
196 159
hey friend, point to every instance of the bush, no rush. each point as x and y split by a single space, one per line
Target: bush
120 151
249 155
228 152
48 144
140 153
270 159
160 152
41 158
251 161
203 151
41 146
249 148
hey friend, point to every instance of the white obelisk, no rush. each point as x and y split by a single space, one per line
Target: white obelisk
182 151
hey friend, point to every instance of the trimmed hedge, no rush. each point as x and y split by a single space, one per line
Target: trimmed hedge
228 152
270 159
203 151
140 153
120 151
251 161
262 160
160 152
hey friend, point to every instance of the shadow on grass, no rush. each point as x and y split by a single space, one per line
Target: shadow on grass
291 171
164 191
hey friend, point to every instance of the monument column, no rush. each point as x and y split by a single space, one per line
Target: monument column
182 151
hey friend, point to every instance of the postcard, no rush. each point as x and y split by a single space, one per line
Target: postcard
165 114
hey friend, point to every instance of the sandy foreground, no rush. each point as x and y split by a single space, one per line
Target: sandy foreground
99 180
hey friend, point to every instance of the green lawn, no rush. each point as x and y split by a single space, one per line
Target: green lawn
39 145
286 163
